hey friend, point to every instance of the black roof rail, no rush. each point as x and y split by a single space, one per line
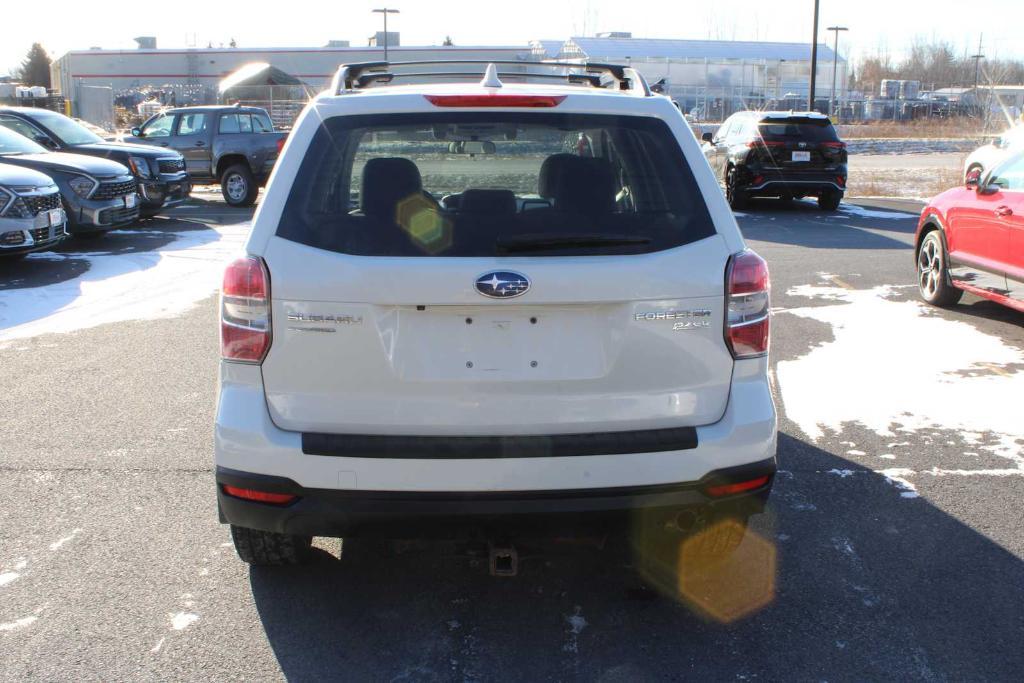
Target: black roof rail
360 75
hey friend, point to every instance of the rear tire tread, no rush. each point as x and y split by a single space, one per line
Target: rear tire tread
270 549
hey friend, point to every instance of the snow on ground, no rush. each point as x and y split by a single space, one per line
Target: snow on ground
897 366
123 286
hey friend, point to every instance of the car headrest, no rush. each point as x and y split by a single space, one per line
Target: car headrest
551 172
495 202
387 181
585 185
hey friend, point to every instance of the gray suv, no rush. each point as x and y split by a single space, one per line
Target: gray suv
31 218
96 194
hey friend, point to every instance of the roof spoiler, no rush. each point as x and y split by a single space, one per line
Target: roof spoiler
359 76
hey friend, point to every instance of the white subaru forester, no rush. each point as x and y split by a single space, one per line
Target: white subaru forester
511 305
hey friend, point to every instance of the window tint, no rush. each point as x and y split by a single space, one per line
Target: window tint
797 128
476 184
1010 176
228 123
245 123
20 127
191 124
160 127
261 124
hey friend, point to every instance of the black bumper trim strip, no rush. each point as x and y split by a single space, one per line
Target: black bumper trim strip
481 447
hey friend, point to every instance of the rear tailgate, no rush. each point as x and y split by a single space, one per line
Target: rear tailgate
598 344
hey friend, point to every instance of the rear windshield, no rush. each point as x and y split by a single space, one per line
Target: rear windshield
808 130
487 184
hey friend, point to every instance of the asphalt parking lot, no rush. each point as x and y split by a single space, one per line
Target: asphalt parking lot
893 548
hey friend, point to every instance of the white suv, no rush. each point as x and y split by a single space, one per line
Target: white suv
498 307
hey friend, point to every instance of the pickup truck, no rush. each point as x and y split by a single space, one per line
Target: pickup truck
231 145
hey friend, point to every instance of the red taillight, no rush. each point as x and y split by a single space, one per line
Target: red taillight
259 496
245 311
841 181
747 325
739 487
495 100
834 145
280 145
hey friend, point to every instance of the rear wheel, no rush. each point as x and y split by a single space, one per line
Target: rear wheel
737 197
933 281
829 201
266 548
238 186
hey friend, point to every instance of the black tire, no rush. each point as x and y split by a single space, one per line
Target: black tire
829 201
933 281
269 549
238 186
736 197
719 539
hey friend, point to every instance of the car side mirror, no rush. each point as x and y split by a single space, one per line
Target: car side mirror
707 137
973 178
137 132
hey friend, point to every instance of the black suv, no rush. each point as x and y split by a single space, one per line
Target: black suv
159 174
790 155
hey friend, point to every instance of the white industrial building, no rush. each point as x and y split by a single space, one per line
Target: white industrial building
713 74
715 77
199 70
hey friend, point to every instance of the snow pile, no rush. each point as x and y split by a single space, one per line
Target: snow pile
896 366
123 286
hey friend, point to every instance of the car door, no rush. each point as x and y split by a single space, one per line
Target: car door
1010 211
978 237
192 138
720 143
157 130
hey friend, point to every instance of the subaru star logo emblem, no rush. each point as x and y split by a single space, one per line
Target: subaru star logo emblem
502 284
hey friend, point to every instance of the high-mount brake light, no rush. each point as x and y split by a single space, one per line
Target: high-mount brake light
747 289
495 100
245 311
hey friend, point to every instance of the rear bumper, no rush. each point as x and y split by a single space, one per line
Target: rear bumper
330 512
787 181
341 492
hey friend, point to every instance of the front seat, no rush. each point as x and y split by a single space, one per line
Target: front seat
392 197
584 185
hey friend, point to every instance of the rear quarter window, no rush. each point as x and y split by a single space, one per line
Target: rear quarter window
487 184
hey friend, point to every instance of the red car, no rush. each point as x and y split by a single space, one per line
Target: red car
971 239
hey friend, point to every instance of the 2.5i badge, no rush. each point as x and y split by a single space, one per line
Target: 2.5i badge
681 320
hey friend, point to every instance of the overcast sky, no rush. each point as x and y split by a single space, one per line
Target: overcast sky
891 24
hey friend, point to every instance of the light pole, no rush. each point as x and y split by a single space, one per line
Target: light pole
835 58
385 11
814 60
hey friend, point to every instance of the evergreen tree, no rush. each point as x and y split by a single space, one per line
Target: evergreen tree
35 70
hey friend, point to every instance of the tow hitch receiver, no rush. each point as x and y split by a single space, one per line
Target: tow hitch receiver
504 560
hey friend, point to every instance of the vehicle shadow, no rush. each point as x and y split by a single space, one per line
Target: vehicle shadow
802 223
842 578
44 282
